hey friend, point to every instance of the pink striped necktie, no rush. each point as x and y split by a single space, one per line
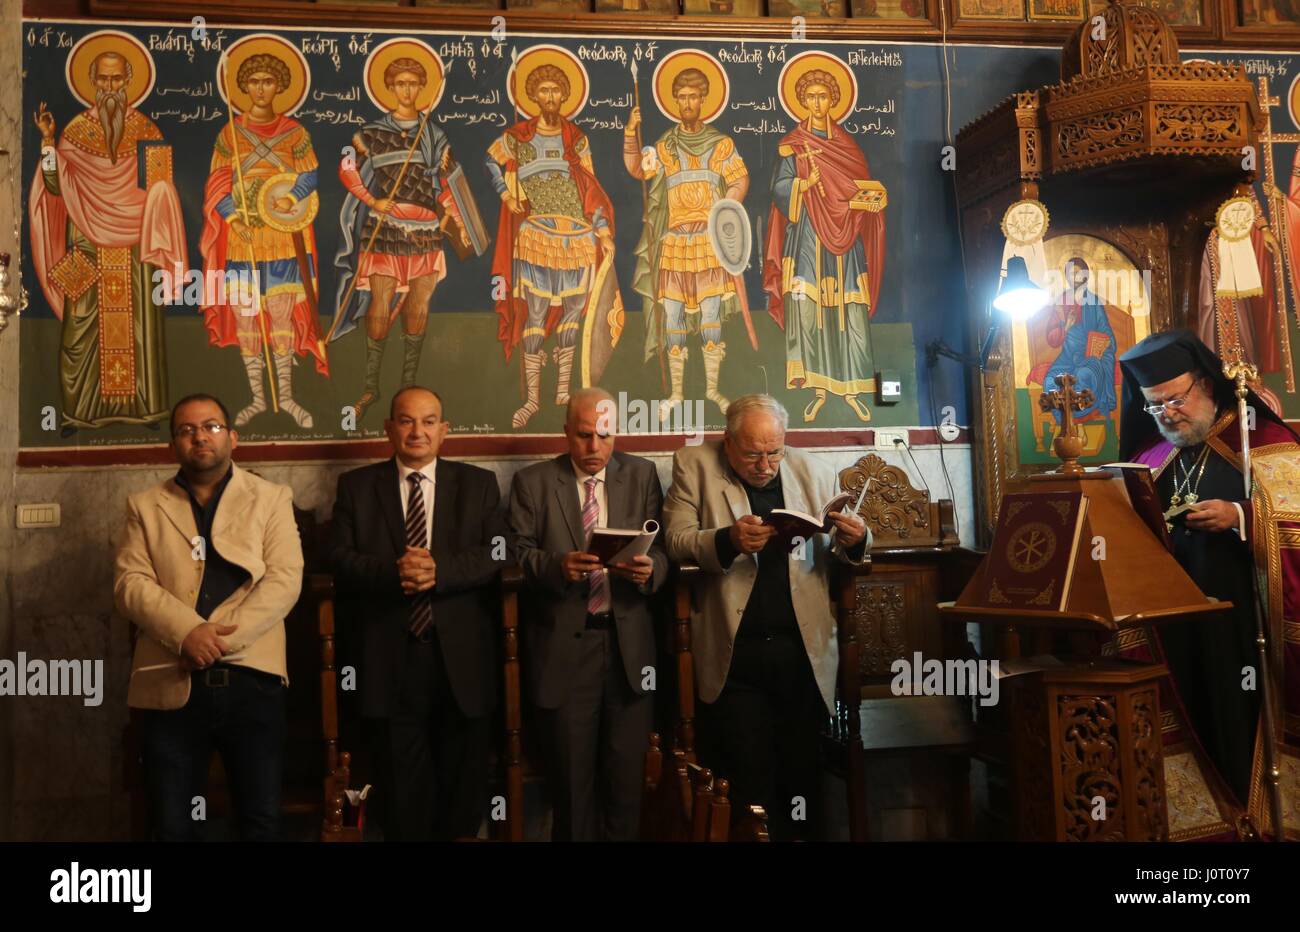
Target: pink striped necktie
598 595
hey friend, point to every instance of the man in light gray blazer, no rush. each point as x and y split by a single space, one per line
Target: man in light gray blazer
590 650
762 631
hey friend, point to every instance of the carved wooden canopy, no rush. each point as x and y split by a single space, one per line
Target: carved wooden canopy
1123 96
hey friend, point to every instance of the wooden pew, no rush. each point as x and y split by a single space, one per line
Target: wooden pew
688 803
338 763
892 614
511 768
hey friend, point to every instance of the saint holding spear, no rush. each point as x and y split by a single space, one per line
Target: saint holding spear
258 204
405 195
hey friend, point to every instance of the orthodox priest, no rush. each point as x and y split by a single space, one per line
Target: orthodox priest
1180 418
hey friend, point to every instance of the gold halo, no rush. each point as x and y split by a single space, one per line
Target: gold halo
259 43
1293 101
805 62
677 62
566 61
401 47
77 67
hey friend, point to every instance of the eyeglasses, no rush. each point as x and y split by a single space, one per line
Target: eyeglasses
755 458
1175 402
189 431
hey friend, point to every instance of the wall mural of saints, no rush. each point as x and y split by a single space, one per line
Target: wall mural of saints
555 242
825 251
400 207
258 206
202 158
691 168
104 215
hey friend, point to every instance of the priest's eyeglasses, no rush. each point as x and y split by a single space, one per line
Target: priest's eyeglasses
1176 402
189 431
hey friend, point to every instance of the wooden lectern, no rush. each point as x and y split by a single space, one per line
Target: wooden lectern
1072 563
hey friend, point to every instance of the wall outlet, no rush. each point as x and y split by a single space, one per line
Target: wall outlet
886 438
44 514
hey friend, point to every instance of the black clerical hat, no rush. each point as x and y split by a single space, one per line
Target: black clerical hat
1160 358
1163 357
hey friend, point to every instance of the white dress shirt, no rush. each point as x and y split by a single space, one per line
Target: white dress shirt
426 486
602 496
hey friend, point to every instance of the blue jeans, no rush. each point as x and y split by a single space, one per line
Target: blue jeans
245 721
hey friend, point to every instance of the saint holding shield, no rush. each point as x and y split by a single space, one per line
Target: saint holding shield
258 207
693 167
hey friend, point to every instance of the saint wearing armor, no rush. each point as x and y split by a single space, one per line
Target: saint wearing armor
683 285
263 165
555 245
398 211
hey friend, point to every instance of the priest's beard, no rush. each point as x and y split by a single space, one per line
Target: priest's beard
111 106
1189 433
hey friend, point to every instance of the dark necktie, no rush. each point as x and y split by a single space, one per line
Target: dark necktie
417 536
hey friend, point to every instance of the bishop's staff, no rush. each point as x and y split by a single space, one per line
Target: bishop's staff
242 209
1242 372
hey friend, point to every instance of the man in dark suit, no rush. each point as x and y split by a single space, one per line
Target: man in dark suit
416 544
591 653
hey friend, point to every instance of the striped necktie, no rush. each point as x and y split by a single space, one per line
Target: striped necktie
417 536
598 594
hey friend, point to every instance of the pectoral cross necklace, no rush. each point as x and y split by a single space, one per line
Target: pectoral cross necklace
1185 489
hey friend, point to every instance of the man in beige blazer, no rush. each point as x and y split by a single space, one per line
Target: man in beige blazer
762 631
209 565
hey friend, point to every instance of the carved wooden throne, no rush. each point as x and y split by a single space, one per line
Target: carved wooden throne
892 615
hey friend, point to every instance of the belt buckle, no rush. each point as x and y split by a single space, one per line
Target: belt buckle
216 677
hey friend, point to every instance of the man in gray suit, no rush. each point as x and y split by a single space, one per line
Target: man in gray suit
590 651
762 632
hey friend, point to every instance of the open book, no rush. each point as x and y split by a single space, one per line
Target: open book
790 523
1142 493
616 546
